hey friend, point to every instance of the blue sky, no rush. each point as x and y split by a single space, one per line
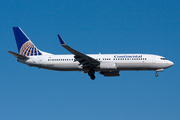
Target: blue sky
119 26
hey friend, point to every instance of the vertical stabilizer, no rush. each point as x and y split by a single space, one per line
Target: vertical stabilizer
24 44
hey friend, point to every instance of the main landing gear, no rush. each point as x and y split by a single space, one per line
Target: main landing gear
91 74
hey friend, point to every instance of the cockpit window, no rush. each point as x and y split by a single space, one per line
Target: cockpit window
163 58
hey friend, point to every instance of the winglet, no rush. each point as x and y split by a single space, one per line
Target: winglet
61 40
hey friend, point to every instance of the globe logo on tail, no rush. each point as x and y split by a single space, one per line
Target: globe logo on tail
28 49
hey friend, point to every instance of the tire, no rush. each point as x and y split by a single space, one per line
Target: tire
93 77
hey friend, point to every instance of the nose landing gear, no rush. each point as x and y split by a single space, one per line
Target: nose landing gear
158 70
156 74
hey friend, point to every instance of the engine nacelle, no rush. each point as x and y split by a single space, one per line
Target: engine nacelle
108 66
110 73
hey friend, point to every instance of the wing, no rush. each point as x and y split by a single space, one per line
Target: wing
84 60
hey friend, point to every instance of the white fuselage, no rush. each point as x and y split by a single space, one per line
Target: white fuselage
107 64
120 61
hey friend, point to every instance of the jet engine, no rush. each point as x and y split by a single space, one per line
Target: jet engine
110 73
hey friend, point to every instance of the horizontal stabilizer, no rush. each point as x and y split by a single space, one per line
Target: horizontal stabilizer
18 55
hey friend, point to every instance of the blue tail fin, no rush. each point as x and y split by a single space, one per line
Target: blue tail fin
24 44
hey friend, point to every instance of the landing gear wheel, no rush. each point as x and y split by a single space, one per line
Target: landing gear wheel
91 74
92 77
156 74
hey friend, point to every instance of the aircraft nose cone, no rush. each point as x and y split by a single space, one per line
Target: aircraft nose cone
170 63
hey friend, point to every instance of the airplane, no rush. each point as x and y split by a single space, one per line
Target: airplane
108 65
